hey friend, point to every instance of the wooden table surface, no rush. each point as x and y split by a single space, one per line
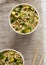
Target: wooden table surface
25 44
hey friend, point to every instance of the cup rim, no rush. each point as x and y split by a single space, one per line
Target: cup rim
14 51
36 25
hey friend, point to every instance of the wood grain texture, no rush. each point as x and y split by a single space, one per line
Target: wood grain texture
25 44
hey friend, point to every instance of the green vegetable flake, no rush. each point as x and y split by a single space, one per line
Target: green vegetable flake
15 60
31 8
20 7
23 31
6 59
16 28
1 55
12 19
30 28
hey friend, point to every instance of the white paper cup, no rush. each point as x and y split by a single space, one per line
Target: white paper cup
34 28
14 51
